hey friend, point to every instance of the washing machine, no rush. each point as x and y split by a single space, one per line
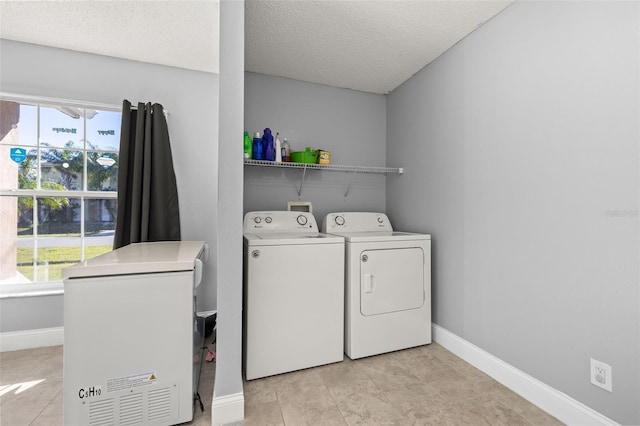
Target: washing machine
387 284
293 294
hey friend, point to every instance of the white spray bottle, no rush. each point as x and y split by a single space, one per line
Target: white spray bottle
278 147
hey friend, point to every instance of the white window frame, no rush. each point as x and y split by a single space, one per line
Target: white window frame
55 287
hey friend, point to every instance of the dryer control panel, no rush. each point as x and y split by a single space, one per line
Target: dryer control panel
356 222
279 221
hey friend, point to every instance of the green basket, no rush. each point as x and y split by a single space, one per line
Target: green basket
307 156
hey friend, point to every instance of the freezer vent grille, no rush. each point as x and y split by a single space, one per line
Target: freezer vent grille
101 412
131 409
159 404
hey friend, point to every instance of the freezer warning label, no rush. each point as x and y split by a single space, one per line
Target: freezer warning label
130 382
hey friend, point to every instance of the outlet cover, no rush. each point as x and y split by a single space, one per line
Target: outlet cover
601 375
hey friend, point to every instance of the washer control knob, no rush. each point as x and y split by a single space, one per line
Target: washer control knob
257 220
365 257
302 220
380 219
339 220
267 219
255 254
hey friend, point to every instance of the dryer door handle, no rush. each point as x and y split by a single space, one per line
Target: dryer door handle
369 285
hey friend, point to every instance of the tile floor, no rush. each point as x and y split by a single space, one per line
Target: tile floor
427 385
40 401
421 386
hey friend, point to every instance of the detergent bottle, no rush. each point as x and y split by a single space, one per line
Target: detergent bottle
267 145
248 146
258 152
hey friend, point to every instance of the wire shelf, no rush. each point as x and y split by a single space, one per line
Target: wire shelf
329 167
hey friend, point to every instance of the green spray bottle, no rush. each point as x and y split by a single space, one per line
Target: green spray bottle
247 146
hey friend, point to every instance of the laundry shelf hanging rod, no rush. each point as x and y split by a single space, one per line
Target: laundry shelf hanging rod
329 167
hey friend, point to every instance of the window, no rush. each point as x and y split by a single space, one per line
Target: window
58 184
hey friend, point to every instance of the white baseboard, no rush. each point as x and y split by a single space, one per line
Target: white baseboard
554 402
28 339
227 409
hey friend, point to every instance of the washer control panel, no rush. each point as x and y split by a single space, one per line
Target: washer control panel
279 221
356 222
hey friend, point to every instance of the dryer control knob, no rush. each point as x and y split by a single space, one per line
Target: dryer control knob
302 220
257 220
339 220
255 254
267 219
365 257
380 220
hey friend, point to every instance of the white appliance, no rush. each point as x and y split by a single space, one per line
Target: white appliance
132 345
293 294
387 284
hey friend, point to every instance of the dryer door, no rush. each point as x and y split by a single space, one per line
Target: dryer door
391 280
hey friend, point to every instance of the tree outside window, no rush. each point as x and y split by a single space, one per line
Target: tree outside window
58 201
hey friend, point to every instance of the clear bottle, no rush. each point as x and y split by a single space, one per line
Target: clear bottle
286 150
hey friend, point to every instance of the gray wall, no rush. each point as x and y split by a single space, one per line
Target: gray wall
521 152
350 124
189 96
229 224
31 313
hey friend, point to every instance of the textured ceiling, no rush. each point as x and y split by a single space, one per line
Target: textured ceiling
176 33
372 46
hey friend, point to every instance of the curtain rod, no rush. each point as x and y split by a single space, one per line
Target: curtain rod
135 106
67 102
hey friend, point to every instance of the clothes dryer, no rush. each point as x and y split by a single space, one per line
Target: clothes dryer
293 294
387 284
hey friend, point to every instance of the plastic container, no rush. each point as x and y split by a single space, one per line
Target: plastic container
278 149
248 146
258 152
309 156
286 150
324 157
267 145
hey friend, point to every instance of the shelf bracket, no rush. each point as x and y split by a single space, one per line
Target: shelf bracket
299 190
353 174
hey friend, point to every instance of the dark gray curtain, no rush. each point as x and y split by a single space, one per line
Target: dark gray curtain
147 191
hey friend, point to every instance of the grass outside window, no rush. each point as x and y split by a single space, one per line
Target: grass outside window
51 260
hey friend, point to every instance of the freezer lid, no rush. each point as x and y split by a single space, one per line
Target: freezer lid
292 239
381 236
141 258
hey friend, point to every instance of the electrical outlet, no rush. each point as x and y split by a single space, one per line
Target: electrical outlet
601 375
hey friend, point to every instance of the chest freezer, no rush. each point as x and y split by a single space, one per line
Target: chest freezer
132 344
